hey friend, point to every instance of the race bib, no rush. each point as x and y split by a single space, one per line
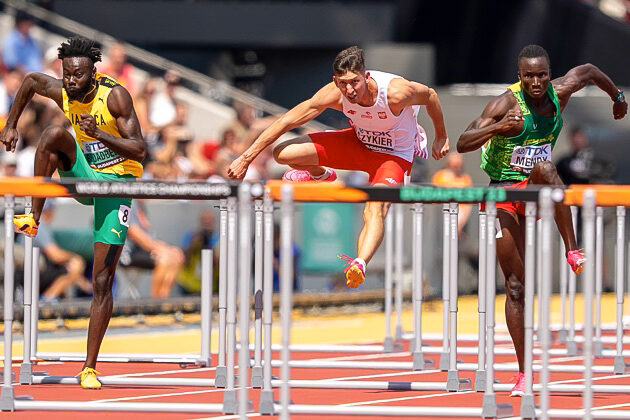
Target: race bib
124 213
98 156
524 158
380 141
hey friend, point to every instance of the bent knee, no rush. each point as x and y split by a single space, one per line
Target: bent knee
544 173
53 132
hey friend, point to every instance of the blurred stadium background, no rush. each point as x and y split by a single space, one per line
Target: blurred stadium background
207 76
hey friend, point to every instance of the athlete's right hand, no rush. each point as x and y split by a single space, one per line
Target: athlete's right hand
238 168
513 118
9 137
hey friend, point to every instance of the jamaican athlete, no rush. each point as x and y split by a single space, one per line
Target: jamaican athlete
519 129
109 147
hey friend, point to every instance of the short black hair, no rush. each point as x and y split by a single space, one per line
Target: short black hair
78 46
534 51
350 59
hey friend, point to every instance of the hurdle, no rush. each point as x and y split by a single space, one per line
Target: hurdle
79 188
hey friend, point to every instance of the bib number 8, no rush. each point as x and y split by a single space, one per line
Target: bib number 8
124 213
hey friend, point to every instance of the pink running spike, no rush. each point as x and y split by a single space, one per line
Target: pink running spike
300 175
576 260
519 388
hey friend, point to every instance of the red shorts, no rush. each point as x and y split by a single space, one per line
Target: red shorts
516 207
342 149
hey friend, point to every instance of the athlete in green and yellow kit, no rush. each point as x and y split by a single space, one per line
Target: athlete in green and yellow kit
519 130
109 147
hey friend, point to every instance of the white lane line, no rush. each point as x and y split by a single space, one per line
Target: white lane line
160 372
229 417
417 397
380 375
173 394
365 356
603 407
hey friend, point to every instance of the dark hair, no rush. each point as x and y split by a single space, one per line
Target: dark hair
350 59
22 16
534 51
78 46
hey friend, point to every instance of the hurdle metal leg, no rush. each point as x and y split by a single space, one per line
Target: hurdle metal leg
7 396
588 227
454 383
599 268
34 301
229 396
546 213
480 374
206 308
398 252
419 362
244 274
563 269
286 290
266 395
539 276
220 376
444 356
257 369
490 408
572 347
26 368
528 407
620 366
388 342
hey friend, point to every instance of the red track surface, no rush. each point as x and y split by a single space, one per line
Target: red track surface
301 396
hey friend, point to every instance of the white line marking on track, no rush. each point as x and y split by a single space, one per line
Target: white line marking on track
365 356
604 407
417 397
380 375
229 417
173 394
160 372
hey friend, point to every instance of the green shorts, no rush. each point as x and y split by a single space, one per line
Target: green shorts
111 215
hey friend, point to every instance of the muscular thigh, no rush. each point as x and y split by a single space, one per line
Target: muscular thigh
298 150
510 244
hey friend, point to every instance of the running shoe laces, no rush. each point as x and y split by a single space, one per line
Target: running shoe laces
519 387
576 260
301 175
88 378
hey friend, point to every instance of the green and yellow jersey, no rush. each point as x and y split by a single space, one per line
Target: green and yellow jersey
99 157
512 158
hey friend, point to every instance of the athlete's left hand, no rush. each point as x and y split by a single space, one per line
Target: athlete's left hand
441 147
88 125
620 109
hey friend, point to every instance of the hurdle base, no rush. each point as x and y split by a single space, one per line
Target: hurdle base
388 345
444 361
454 384
267 403
420 363
26 373
480 381
598 349
528 407
563 335
573 349
621 367
492 410
7 399
399 333
230 403
220 377
257 377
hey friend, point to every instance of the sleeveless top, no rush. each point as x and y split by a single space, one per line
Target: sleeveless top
382 131
513 158
99 157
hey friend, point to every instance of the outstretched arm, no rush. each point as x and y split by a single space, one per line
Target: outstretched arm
132 144
580 76
405 93
327 97
33 83
499 117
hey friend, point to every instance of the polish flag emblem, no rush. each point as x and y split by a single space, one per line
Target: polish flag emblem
382 115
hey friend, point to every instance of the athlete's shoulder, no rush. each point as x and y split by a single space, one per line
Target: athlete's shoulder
401 90
119 101
107 81
328 96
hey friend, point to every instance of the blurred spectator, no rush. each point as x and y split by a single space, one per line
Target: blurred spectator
115 65
9 164
63 268
52 63
141 103
20 51
12 82
192 244
142 250
277 264
453 176
162 111
581 166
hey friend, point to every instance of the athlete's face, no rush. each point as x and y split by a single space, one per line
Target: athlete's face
535 76
78 76
353 85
